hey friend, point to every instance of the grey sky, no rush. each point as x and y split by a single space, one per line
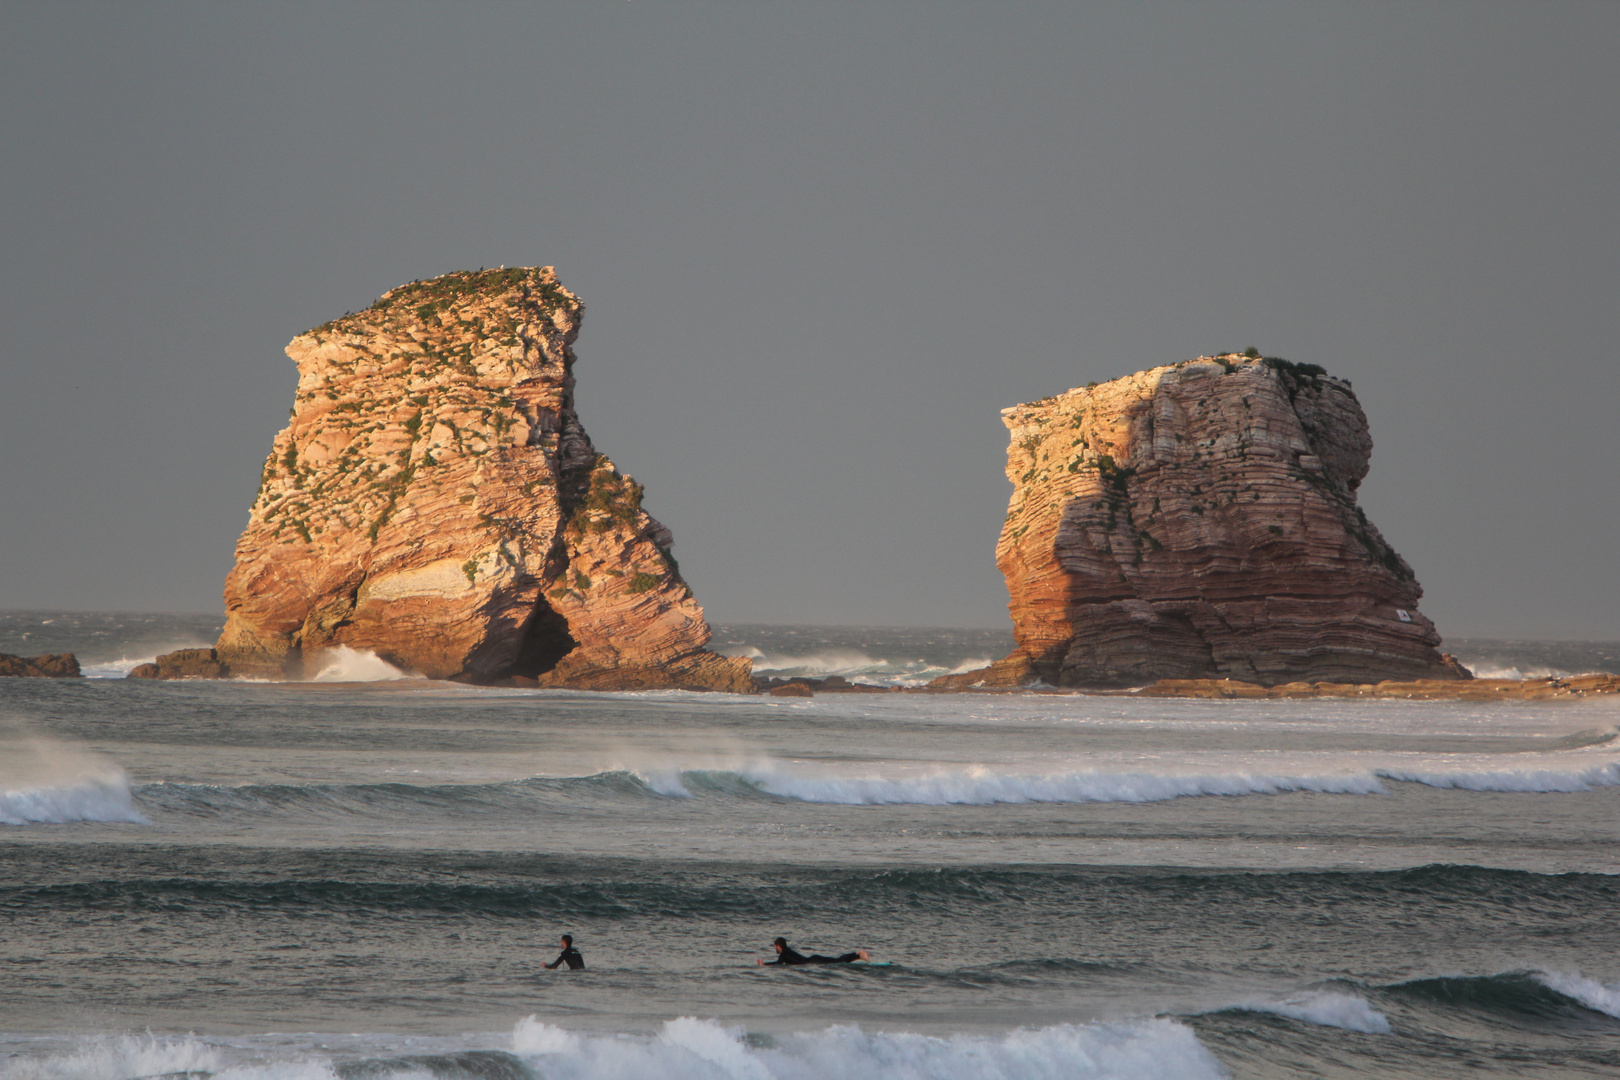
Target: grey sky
821 246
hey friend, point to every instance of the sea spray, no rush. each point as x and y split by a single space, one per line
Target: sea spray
344 664
45 781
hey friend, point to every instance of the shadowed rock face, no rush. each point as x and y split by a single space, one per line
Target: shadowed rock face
1200 521
434 499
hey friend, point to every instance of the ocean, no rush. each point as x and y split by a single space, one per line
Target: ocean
361 876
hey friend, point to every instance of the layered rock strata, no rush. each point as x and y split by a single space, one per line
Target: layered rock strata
434 500
1199 520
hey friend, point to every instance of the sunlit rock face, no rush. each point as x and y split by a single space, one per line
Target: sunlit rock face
1199 520
434 500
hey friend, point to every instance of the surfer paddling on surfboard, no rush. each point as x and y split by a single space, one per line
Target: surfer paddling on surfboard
787 954
569 956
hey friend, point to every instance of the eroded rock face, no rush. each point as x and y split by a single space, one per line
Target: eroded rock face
434 499
1199 521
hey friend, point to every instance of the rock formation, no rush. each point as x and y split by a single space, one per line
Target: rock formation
434 499
1565 686
182 664
50 666
1199 520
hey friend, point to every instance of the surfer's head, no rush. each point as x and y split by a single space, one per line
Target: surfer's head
780 944
567 940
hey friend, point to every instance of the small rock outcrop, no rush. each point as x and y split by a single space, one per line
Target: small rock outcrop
49 666
1199 521
1565 686
434 500
183 664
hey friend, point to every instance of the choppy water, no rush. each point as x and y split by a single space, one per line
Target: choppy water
361 879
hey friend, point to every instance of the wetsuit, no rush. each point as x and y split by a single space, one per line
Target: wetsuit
569 956
790 955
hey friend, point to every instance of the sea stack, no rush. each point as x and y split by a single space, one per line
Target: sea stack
434 500
1199 520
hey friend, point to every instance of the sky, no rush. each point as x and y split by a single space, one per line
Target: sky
821 246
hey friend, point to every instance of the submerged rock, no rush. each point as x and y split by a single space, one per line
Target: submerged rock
435 500
1199 521
49 666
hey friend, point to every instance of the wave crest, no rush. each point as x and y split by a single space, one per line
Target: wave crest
690 1047
43 781
120 1057
1327 1008
1589 992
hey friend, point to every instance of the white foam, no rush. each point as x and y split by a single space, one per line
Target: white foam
1328 1008
854 665
1484 669
982 786
45 781
118 1058
114 669
1589 992
1122 780
825 661
693 1048
1511 779
344 664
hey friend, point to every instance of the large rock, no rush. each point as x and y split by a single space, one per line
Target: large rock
434 500
1199 521
49 666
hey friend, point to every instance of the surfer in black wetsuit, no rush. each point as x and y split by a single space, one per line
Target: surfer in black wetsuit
569 956
787 954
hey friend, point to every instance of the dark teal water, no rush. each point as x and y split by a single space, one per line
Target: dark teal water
362 879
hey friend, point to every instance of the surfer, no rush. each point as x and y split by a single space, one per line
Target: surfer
787 954
569 956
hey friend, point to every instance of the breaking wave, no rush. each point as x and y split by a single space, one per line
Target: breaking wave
689 1048
1326 1008
105 795
92 799
1523 996
121 1058
43 781
853 664
344 664
980 785
683 1048
1589 992
1484 669
694 1048
115 669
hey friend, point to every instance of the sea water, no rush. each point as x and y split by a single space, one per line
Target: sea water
361 876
